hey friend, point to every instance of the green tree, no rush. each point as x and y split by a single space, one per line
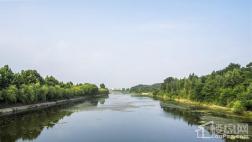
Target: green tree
232 66
102 85
42 93
51 81
226 96
31 77
6 77
18 80
28 94
22 96
249 65
51 93
233 78
11 94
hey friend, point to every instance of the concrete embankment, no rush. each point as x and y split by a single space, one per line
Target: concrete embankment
19 109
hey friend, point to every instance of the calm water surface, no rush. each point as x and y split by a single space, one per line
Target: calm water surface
118 118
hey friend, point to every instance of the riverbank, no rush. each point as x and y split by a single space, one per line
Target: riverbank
209 106
26 108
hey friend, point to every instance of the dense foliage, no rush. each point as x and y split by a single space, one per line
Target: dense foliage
103 89
231 87
29 86
145 88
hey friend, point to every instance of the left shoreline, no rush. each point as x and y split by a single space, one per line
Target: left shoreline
26 108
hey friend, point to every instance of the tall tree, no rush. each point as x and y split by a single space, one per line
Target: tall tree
6 76
51 81
31 77
102 85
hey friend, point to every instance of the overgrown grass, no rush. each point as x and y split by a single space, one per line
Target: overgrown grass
210 106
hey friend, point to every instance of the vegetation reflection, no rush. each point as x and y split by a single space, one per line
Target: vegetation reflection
28 126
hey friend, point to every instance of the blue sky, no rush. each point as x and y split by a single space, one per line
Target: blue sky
127 42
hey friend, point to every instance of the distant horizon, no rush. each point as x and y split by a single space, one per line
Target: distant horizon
124 43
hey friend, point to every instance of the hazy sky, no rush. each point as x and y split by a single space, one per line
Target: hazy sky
124 42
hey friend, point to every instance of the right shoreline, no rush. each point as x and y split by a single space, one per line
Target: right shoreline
209 106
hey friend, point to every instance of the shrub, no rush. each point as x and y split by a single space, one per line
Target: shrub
27 94
58 92
51 93
238 107
42 93
11 94
103 91
30 92
22 94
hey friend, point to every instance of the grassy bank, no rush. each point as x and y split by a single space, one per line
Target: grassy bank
213 107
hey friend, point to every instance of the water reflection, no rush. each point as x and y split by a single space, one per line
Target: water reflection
117 118
194 115
192 118
28 126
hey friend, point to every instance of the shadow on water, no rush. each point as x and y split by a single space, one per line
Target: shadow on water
194 115
192 118
28 126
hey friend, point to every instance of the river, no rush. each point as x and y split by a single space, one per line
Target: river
117 118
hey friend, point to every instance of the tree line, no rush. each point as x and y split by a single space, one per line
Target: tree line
229 87
142 88
28 86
